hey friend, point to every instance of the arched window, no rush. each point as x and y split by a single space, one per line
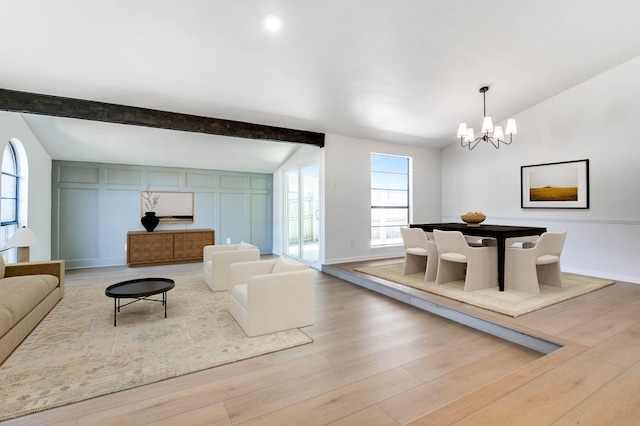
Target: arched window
9 201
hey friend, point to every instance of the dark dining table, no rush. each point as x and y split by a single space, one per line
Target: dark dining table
499 232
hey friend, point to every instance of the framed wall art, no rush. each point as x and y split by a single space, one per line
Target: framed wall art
563 185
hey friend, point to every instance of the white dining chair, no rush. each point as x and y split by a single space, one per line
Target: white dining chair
478 266
527 268
420 255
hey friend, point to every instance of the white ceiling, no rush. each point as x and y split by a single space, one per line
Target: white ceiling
398 71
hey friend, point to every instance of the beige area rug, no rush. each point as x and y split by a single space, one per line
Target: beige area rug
508 302
76 353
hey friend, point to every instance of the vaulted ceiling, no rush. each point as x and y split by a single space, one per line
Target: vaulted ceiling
398 71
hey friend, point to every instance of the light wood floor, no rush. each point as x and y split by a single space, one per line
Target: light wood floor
376 361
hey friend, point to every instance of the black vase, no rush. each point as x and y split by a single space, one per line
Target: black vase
150 221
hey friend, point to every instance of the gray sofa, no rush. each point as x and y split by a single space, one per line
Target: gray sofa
28 291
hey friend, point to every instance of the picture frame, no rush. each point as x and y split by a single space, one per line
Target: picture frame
562 185
170 206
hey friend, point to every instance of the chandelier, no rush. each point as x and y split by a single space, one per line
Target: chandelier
468 139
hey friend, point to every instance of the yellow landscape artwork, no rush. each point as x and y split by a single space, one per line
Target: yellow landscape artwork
552 193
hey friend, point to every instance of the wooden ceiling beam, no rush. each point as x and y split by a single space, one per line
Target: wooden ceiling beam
57 106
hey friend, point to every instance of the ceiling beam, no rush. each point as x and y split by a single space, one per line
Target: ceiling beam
57 106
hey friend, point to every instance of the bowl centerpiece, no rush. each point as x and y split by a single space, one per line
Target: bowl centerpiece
473 218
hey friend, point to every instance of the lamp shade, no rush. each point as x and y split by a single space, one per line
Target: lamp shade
462 130
487 125
23 237
498 133
511 128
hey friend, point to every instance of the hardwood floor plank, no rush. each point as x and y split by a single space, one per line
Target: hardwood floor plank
617 403
597 330
213 415
622 349
444 361
274 398
341 402
470 403
460 380
371 416
549 397
197 396
408 334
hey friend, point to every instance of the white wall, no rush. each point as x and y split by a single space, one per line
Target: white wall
12 126
347 190
596 120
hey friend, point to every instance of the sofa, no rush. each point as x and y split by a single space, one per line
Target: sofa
28 291
271 295
217 259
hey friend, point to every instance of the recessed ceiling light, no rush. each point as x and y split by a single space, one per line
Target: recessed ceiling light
272 23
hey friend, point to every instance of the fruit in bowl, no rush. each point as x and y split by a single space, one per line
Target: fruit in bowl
473 218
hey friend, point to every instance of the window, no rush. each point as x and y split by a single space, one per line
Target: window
389 198
9 201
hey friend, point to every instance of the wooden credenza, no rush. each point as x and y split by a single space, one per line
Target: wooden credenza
166 247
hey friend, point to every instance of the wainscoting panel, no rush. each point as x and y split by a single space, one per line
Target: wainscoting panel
234 218
160 178
260 183
79 226
120 221
233 182
260 213
94 205
200 180
71 174
123 177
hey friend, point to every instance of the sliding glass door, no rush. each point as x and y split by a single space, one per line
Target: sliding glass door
302 213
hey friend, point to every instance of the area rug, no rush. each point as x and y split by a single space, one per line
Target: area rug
509 302
76 353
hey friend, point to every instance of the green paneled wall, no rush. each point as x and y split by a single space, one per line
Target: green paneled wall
94 205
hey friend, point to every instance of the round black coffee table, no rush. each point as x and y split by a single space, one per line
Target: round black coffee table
140 289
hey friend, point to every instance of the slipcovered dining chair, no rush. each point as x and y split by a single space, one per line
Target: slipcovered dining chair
455 256
526 268
421 253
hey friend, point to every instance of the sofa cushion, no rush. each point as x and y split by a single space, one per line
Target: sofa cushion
19 295
239 292
285 265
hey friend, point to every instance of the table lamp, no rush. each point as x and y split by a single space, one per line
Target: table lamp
23 238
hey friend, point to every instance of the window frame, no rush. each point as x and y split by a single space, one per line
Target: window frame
10 253
385 240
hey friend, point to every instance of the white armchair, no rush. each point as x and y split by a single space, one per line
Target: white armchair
217 259
271 295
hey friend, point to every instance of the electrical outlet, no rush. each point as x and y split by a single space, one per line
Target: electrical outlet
352 242
228 240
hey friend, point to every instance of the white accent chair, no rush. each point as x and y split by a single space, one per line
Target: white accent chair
526 268
271 295
421 253
455 256
217 259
